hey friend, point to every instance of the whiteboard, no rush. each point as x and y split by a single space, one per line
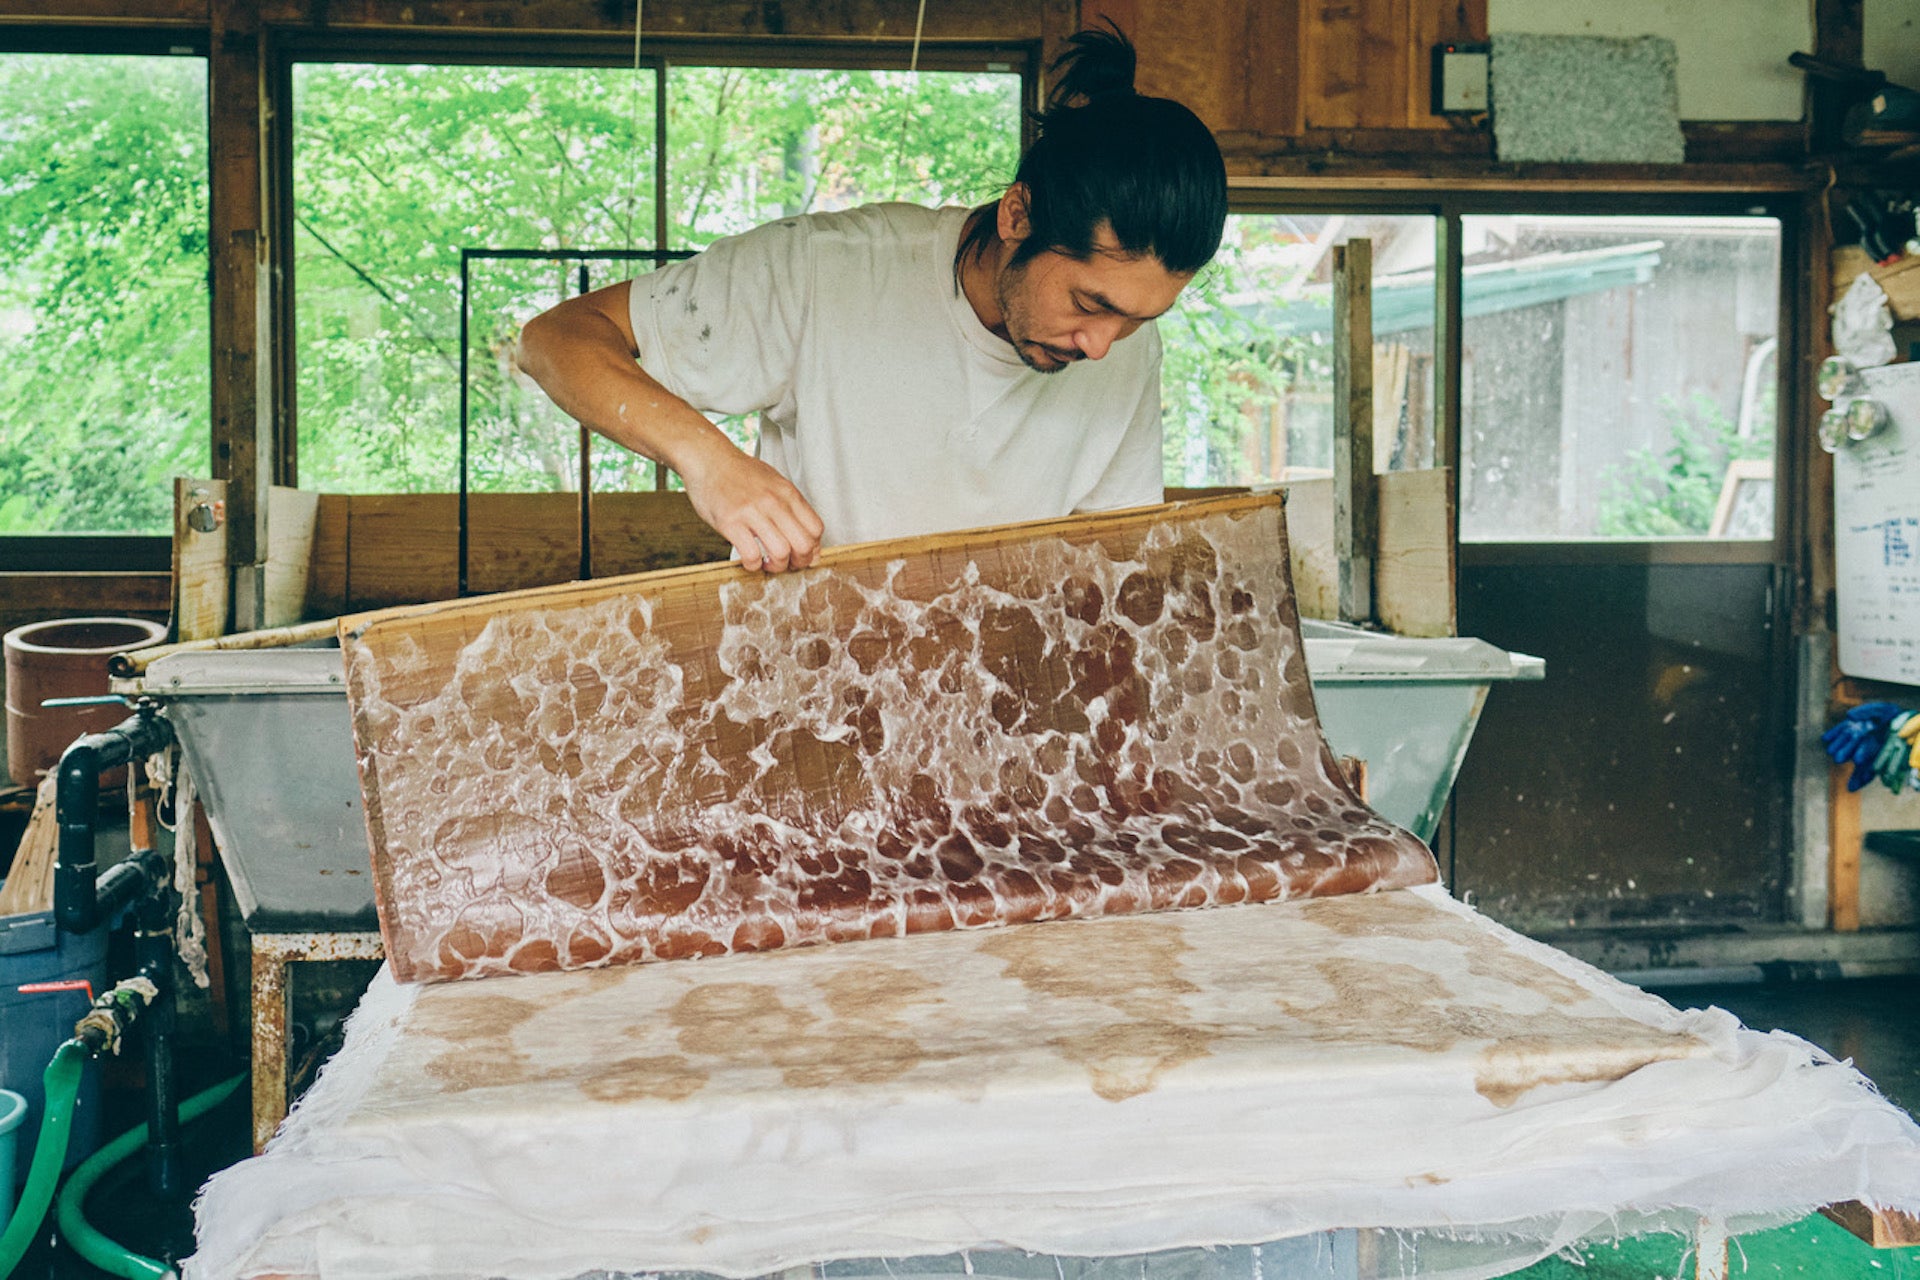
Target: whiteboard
1876 519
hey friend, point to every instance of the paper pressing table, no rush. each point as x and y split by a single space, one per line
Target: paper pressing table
1083 1087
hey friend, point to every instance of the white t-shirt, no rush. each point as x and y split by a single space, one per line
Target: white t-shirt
881 395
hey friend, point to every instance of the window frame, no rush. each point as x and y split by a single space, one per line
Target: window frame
1448 207
662 53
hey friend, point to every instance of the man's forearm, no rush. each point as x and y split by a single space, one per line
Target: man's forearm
582 360
583 355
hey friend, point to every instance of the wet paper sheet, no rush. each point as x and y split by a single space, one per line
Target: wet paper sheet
1081 1087
1086 717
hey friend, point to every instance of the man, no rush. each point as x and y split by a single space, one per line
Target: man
918 370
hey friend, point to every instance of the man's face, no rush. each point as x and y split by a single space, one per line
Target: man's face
1058 310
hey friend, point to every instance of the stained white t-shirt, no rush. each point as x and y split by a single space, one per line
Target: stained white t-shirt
881 395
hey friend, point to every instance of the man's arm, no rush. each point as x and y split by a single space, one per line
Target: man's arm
583 353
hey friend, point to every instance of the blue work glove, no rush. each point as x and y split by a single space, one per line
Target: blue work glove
1859 739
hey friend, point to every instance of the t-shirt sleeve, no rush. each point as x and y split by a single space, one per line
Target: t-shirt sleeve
722 329
1136 475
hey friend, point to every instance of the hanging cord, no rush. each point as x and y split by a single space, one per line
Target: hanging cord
168 776
906 109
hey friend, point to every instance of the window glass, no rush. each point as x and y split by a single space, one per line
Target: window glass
1247 389
104 355
747 145
397 169
1618 377
519 440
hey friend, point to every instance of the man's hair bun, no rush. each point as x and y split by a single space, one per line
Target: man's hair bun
1097 65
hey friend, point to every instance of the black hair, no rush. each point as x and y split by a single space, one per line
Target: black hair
1147 167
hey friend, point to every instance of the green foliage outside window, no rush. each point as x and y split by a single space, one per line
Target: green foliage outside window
103 294
103 290
399 168
1672 492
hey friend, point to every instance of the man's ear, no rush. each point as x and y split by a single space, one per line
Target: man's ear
1012 219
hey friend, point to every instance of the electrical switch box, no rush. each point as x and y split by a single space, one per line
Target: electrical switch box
1459 78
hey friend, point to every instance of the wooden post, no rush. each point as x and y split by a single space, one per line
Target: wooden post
1355 496
201 587
1843 817
1839 37
243 448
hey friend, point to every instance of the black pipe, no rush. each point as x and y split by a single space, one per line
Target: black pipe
85 900
82 898
153 955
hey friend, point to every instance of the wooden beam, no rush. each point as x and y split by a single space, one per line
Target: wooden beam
1355 495
1839 37
1316 579
586 593
243 449
1844 839
810 19
1807 293
1414 576
1345 162
1881 1228
1449 344
865 20
120 13
33 596
202 596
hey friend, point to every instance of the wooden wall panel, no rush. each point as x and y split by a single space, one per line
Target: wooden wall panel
327 567
1353 63
402 548
1233 64
292 516
374 550
517 540
1256 70
640 532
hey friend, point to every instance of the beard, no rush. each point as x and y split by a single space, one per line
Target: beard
1018 318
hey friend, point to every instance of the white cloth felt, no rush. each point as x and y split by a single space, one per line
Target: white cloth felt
1085 1087
881 395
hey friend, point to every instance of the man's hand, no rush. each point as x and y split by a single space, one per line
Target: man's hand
582 353
754 507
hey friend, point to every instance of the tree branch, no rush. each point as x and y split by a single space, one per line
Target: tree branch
413 318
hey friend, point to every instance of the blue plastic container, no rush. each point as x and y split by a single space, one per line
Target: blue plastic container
13 1116
34 1025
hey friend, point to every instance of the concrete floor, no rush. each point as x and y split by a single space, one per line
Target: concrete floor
1873 1021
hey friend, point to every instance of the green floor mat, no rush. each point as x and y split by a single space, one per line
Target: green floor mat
1812 1247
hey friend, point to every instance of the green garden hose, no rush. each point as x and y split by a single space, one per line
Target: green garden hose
90 1244
61 1082
62 1085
